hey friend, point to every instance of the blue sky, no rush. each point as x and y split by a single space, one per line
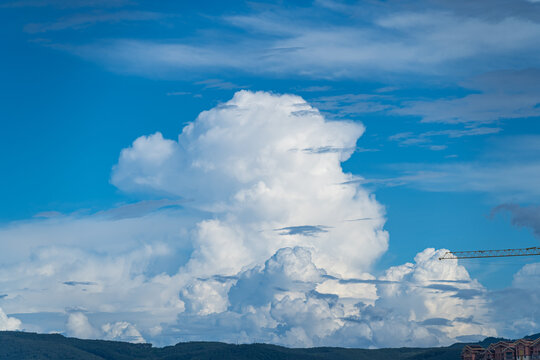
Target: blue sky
434 105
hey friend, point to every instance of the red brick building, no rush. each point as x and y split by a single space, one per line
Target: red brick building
504 350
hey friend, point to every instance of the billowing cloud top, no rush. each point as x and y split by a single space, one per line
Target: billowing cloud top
253 162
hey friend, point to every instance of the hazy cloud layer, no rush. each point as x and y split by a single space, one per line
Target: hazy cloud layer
519 314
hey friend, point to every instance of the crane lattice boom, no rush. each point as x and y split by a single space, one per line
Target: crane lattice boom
490 253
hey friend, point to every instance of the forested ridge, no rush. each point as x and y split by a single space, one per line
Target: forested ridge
22 345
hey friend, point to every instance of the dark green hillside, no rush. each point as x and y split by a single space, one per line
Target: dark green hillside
22 346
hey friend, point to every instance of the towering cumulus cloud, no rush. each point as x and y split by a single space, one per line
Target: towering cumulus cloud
268 168
271 242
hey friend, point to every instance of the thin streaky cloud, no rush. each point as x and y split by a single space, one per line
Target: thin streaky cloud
178 93
451 281
389 44
62 4
79 21
48 214
504 182
306 230
410 138
497 96
219 84
75 283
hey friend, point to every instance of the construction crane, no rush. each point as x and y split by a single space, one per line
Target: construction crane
490 253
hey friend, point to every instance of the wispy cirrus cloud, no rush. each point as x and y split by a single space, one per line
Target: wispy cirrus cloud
301 43
507 171
426 138
497 96
347 105
503 182
178 93
62 4
83 20
220 84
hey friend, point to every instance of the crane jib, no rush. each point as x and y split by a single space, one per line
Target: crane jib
476 254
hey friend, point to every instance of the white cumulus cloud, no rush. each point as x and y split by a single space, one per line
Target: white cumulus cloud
261 163
8 323
290 301
122 331
79 326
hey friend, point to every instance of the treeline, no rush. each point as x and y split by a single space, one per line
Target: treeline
22 346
